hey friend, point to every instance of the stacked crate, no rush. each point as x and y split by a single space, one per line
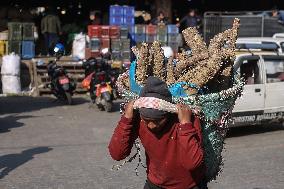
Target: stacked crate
128 16
140 33
21 39
162 34
116 17
173 33
99 39
3 43
121 15
15 37
151 33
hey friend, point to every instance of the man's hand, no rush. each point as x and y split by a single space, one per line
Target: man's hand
129 110
184 114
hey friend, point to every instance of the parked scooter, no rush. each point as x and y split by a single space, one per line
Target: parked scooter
98 83
62 86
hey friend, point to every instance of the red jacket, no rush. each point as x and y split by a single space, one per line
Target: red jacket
174 161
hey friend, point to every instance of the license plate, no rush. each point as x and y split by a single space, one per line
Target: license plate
64 81
104 89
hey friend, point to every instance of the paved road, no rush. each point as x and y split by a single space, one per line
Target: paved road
44 145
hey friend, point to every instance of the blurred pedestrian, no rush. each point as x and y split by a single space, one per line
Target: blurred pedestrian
95 18
51 29
160 19
191 20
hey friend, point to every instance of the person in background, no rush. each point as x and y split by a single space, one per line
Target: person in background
51 29
191 20
160 19
278 14
95 18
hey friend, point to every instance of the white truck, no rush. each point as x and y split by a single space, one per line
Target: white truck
263 96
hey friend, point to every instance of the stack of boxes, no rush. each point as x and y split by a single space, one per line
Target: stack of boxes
21 39
120 47
162 34
151 33
140 33
121 15
114 38
173 33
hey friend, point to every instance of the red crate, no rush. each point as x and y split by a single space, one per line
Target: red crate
94 31
95 54
114 32
105 43
87 53
105 31
151 29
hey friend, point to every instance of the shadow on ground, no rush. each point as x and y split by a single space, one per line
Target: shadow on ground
12 161
16 104
12 121
255 129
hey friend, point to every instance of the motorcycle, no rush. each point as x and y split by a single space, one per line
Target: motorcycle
61 85
98 82
104 93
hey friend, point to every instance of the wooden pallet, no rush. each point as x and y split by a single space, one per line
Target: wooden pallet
73 68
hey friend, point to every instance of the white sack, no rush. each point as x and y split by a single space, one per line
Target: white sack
11 84
10 65
79 46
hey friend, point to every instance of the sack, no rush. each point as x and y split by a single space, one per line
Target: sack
86 83
11 84
11 65
79 46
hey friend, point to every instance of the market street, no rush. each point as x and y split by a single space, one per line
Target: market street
44 144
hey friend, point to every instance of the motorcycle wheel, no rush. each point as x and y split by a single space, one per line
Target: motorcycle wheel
68 98
108 106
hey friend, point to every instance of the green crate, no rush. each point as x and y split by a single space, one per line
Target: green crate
162 30
15 31
125 44
15 47
28 31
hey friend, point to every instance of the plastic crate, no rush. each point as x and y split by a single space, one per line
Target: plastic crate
140 37
151 29
3 47
125 55
174 46
131 29
94 31
140 28
14 47
172 29
114 32
87 53
128 11
116 55
28 31
95 54
129 21
4 36
28 49
151 38
163 38
124 31
172 37
105 43
15 31
125 44
115 45
95 44
116 10
162 30
116 20
105 31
